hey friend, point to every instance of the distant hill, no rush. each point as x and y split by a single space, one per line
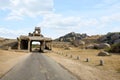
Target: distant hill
71 37
78 40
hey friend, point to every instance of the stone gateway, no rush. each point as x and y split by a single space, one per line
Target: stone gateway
25 42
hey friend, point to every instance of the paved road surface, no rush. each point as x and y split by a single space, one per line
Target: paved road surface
38 67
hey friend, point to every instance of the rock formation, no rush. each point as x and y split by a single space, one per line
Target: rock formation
103 53
71 37
110 38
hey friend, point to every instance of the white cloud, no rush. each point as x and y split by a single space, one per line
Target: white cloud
32 8
11 17
64 24
59 21
109 4
116 29
4 32
4 4
111 18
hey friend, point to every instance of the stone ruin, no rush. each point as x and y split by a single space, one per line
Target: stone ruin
25 42
36 32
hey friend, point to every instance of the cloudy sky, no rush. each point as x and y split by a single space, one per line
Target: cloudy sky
58 17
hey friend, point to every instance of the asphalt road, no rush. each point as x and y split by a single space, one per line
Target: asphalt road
37 66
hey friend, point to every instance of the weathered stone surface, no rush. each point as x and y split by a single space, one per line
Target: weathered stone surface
71 37
91 46
115 36
25 42
103 53
110 38
117 41
103 46
101 62
78 43
98 46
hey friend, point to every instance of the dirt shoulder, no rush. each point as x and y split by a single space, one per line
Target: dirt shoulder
8 59
84 71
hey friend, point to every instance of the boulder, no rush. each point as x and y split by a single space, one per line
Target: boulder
78 43
104 45
71 37
110 38
101 46
103 53
115 36
91 46
117 41
96 46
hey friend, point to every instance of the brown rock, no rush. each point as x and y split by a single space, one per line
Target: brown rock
103 53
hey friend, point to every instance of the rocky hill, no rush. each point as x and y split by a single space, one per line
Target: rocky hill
110 38
74 39
71 37
113 39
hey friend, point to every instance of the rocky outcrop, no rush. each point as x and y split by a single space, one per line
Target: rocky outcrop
117 41
103 53
78 43
98 46
90 46
71 37
113 39
110 38
102 46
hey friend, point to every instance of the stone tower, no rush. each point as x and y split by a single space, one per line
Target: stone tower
37 31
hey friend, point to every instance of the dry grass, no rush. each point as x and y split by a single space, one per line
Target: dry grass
7 55
88 70
112 63
118 70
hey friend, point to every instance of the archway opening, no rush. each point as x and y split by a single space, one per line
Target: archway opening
24 44
35 46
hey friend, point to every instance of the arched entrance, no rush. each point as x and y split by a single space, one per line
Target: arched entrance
34 41
35 46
